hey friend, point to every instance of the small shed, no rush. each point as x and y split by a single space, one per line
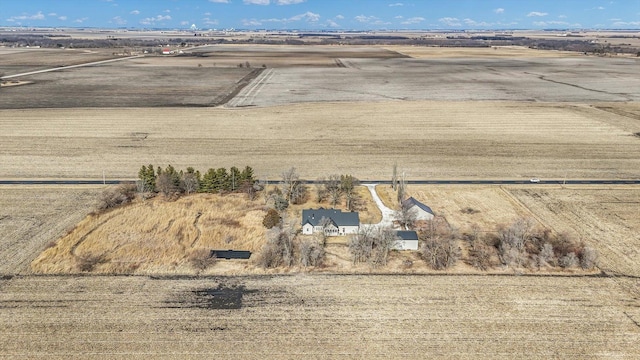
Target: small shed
420 210
166 51
407 240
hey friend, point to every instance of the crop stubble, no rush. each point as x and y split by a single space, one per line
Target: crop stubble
318 316
428 140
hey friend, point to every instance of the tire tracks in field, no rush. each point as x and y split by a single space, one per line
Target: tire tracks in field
626 96
240 86
248 92
198 231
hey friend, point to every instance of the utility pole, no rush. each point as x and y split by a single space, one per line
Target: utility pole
104 179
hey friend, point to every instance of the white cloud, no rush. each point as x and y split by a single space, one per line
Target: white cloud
251 22
626 23
153 20
308 17
473 23
62 18
289 2
365 19
184 23
339 17
119 20
449 21
209 21
399 17
256 2
537 13
135 12
499 11
37 16
52 14
81 20
554 23
167 11
207 14
396 4
332 24
220 1
562 17
413 20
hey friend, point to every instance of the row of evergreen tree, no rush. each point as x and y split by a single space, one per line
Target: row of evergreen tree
170 181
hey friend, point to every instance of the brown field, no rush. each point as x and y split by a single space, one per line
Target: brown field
32 218
551 116
428 140
319 316
15 61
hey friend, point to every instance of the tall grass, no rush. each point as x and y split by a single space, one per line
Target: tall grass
156 235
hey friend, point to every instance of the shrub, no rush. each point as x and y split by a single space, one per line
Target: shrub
568 261
271 219
88 262
116 196
278 250
589 258
480 254
201 259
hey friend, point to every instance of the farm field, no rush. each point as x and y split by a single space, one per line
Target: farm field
126 84
205 76
20 60
31 218
428 140
508 113
318 316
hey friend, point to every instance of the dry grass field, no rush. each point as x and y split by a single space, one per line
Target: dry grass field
158 236
31 218
318 316
428 140
604 217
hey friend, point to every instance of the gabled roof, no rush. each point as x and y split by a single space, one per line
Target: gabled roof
411 202
337 217
407 235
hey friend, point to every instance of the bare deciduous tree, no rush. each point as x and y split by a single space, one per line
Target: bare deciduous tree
589 258
394 177
321 190
292 187
311 253
405 217
278 250
546 257
371 245
189 182
440 248
332 186
348 184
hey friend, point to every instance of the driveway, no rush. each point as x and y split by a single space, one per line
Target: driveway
388 215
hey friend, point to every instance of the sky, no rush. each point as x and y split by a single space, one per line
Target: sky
324 14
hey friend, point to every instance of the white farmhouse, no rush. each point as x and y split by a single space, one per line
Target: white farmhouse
420 210
333 221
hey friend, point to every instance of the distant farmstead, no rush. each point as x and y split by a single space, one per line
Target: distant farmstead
333 222
166 51
420 210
